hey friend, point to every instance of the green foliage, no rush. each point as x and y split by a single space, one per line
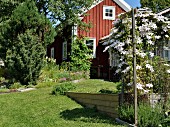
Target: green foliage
62 88
147 116
80 55
24 38
155 5
67 12
24 60
15 86
160 78
107 91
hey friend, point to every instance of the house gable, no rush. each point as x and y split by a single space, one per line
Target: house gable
121 3
100 26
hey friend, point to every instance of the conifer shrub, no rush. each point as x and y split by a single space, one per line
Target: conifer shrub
24 61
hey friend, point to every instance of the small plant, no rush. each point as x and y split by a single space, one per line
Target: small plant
107 91
147 116
62 88
15 86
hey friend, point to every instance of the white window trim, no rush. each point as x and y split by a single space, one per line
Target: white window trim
75 30
64 57
52 53
94 46
114 12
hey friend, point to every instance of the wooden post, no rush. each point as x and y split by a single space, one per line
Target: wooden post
134 67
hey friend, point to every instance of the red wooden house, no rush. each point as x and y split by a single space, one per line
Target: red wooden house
101 15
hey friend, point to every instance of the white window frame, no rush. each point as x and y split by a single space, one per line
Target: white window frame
64 50
113 12
94 46
52 53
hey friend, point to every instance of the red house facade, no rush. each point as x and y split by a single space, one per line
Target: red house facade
101 15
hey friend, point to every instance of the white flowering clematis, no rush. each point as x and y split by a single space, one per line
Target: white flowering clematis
150 30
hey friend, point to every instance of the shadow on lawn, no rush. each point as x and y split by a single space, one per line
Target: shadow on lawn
86 115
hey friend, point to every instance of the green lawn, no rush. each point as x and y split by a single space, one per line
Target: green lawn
94 86
41 109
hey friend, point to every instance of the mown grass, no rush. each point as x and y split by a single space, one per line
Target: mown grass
95 85
41 109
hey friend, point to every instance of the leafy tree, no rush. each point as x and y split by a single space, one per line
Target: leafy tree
68 12
155 5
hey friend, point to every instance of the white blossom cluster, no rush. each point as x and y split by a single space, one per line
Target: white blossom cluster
147 37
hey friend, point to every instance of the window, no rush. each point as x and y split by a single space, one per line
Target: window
52 52
64 53
114 59
91 44
167 54
109 12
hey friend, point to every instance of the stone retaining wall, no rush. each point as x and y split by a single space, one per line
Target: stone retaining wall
106 103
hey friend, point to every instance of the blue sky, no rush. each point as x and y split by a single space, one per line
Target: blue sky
133 3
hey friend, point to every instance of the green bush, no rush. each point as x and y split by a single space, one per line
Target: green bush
45 84
15 86
147 116
62 88
107 91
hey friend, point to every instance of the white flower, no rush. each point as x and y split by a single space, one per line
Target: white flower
139 86
115 30
157 37
149 67
160 18
142 55
126 70
116 21
118 70
148 37
153 25
139 40
166 36
128 41
167 65
149 85
120 64
168 71
146 91
144 20
138 67
151 54
165 29
124 52
129 84
150 42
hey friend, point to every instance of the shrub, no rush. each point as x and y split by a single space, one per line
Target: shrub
147 116
15 86
80 55
107 91
25 59
45 84
62 88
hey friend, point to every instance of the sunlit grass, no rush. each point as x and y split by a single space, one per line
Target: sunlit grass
39 108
